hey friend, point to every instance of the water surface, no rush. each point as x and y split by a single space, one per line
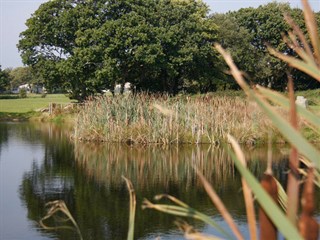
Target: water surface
38 164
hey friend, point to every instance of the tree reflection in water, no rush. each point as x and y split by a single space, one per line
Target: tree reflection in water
3 135
88 178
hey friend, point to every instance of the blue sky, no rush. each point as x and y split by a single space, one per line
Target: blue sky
14 13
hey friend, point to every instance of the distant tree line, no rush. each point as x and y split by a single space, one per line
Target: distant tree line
4 80
85 46
12 78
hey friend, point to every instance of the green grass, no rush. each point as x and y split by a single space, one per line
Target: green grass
32 103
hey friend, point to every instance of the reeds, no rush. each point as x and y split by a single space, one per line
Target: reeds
158 166
204 119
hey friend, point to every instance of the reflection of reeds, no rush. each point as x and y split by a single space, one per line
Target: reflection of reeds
204 119
153 166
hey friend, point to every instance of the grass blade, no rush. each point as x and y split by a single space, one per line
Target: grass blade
132 208
312 28
186 212
279 99
220 206
282 196
299 34
246 191
309 67
191 233
291 134
173 199
293 176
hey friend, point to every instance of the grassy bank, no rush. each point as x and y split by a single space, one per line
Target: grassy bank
13 108
12 116
202 119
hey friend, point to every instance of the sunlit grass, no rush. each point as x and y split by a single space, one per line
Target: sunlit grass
32 103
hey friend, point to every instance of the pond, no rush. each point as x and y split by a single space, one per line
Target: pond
39 164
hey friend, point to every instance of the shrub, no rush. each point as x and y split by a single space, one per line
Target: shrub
22 93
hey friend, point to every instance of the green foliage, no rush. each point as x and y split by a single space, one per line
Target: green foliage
9 96
16 116
4 80
43 95
19 76
246 32
22 93
158 45
236 39
87 46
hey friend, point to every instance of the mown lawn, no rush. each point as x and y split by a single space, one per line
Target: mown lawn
32 103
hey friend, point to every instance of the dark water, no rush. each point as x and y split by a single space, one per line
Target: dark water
39 164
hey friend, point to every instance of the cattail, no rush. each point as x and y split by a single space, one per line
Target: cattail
268 230
308 226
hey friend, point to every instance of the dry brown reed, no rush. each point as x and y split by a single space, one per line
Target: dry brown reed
54 208
205 119
221 207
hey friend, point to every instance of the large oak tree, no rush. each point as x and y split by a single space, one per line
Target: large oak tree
89 45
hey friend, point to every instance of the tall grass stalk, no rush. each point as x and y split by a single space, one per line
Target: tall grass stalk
247 193
132 211
220 206
135 119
